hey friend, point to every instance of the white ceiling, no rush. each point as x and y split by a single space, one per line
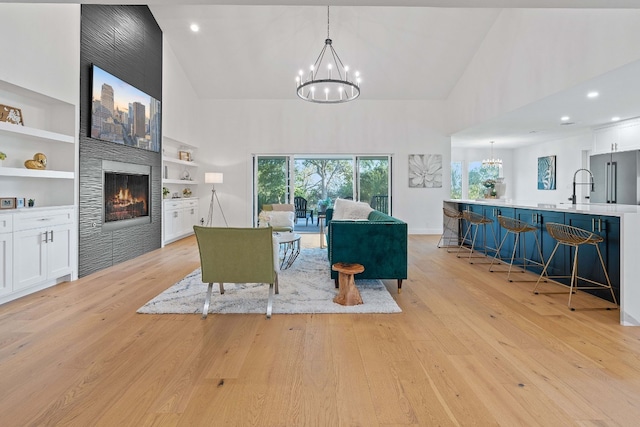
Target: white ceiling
251 49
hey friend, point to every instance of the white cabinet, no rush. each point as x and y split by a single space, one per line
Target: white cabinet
622 136
629 135
49 128
6 254
43 251
179 217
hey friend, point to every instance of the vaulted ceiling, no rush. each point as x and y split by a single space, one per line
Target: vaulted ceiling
404 49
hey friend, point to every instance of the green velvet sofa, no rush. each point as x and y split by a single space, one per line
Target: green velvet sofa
378 243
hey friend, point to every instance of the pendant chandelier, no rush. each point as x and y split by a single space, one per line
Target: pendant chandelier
492 161
328 80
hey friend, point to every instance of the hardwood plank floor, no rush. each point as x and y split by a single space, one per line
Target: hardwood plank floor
469 348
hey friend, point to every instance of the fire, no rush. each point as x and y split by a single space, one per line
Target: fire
125 198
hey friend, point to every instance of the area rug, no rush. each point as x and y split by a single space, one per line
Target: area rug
306 287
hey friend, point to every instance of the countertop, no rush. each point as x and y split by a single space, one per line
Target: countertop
585 208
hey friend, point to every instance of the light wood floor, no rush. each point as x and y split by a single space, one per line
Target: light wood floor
469 348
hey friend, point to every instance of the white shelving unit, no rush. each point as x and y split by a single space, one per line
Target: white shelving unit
179 213
49 128
38 246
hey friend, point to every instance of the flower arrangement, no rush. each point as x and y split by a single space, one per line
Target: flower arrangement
2 156
490 185
165 191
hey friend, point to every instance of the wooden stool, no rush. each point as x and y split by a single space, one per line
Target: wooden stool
349 294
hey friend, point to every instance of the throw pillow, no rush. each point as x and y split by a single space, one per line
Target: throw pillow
263 218
281 219
283 207
348 209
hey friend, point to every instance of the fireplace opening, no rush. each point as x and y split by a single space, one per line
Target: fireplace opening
126 195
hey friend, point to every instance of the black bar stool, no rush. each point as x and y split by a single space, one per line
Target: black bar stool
517 228
475 221
575 237
450 237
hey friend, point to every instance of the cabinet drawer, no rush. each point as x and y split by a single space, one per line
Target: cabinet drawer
190 203
6 223
43 219
172 204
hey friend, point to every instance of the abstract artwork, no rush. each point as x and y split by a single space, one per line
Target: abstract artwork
425 170
547 173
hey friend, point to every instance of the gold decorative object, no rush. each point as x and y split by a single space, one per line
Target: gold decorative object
11 115
39 161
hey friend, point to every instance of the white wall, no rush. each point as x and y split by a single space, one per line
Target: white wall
180 104
571 156
40 48
530 54
234 130
468 155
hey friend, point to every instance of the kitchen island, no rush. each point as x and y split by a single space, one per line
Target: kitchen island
618 224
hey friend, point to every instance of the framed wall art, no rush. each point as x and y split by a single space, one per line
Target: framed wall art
547 173
7 202
11 115
425 170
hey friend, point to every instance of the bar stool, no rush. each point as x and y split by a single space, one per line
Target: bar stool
517 227
575 237
453 238
475 220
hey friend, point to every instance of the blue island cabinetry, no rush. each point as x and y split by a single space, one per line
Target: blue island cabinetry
588 263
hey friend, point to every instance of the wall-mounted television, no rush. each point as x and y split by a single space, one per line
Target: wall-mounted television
123 114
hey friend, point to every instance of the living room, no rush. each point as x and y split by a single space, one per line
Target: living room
228 132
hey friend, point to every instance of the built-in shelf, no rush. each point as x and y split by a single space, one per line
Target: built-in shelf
44 135
35 173
179 162
179 181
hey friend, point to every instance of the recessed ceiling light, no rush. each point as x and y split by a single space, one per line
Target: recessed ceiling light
615 119
195 28
593 94
565 118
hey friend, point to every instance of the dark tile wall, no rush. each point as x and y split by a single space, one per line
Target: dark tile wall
126 42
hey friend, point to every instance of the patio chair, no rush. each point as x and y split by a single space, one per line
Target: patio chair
300 204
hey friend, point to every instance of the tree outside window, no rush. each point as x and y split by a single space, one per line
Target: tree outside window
456 180
478 174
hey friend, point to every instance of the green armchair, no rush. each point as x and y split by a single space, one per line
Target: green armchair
237 255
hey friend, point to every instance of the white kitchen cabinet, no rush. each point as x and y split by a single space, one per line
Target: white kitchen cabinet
43 248
629 135
621 136
179 217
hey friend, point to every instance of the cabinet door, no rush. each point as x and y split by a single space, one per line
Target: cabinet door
629 136
6 263
588 262
59 251
605 140
527 244
30 260
492 213
190 219
172 223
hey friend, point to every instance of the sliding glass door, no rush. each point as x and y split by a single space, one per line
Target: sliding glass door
277 179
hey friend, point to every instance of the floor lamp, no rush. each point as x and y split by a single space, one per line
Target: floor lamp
214 178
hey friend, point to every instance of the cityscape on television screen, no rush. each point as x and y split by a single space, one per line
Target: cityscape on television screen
122 114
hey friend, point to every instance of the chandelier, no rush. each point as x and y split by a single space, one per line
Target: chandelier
492 161
328 80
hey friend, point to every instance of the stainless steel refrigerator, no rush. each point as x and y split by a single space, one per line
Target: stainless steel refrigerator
616 177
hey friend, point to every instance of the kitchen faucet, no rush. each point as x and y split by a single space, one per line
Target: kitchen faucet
573 196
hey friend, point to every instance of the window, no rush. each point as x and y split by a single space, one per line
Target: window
364 178
456 180
478 174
